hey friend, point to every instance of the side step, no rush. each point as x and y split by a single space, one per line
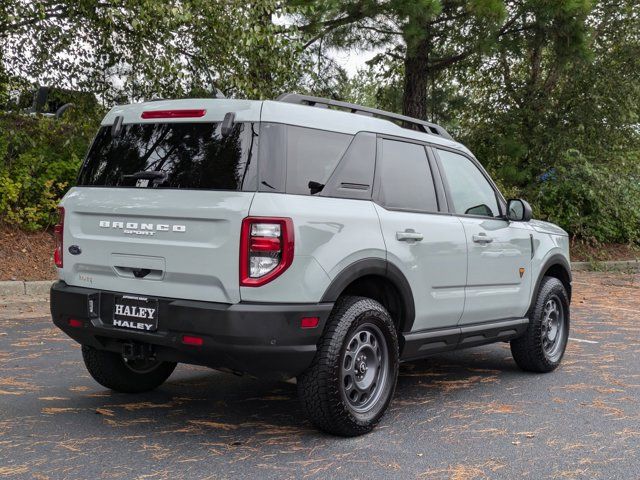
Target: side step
428 342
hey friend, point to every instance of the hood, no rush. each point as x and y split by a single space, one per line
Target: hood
546 227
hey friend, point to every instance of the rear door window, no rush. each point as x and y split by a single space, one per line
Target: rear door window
187 155
404 179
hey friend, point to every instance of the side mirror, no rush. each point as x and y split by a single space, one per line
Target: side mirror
519 210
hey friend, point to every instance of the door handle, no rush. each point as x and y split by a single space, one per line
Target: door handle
482 238
409 235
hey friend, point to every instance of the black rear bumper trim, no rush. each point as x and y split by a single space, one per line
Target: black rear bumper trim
260 339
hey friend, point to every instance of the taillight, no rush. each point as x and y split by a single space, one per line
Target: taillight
266 249
58 235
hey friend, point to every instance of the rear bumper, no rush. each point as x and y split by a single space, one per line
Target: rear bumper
258 339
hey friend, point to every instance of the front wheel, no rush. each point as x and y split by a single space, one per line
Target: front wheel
113 371
351 381
542 346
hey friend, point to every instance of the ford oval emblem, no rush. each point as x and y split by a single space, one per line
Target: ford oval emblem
75 250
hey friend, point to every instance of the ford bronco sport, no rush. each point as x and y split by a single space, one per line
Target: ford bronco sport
301 237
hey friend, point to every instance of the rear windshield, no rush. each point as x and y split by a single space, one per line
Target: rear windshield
187 155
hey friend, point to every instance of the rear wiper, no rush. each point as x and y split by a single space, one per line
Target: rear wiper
157 177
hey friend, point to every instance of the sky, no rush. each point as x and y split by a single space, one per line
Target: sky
353 60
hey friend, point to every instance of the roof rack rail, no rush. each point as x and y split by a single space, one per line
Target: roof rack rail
427 127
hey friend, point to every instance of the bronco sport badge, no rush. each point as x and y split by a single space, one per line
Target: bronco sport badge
135 228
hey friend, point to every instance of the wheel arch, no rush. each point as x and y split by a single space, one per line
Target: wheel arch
556 266
378 279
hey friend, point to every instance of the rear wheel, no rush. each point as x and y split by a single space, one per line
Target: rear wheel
351 381
542 346
113 371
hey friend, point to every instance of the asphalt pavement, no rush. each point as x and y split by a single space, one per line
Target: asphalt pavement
465 415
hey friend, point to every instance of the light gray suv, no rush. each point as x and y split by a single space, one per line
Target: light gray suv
301 237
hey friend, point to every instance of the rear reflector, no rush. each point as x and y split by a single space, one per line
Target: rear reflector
173 113
75 323
190 340
309 322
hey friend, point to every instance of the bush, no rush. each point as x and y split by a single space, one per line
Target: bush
39 161
595 202
40 157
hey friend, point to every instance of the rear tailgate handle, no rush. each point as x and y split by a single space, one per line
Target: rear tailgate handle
141 272
146 273
409 235
138 266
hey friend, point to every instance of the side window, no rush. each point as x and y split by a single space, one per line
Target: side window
312 155
272 157
353 177
404 176
471 193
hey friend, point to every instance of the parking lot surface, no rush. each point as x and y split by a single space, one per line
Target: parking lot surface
464 415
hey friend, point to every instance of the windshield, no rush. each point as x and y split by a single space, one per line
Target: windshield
187 155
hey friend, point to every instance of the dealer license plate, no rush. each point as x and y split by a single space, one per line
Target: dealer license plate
135 313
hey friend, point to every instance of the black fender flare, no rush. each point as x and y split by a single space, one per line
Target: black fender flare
382 268
555 259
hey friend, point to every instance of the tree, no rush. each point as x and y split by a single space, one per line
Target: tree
427 37
545 93
150 47
554 113
568 79
239 47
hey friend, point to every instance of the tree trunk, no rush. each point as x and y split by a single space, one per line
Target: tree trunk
414 99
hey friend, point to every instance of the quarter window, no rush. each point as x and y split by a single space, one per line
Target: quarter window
405 180
471 193
312 155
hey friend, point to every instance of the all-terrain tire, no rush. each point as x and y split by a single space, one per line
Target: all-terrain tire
111 370
531 350
357 327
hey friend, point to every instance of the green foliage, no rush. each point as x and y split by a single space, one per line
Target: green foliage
423 38
545 93
559 99
594 202
151 48
39 161
553 95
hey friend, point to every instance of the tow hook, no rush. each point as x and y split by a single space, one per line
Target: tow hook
137 351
